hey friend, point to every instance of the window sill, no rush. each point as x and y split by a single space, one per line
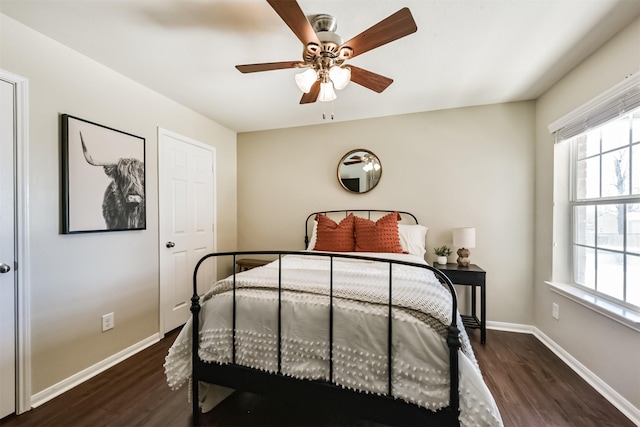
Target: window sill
620 314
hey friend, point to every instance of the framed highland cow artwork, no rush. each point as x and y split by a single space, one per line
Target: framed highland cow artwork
103 178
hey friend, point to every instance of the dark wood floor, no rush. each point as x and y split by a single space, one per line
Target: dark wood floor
532 388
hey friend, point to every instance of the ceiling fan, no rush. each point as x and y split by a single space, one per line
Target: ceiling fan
324 54
370 162
353 160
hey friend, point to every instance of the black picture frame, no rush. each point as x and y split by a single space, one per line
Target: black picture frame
103 178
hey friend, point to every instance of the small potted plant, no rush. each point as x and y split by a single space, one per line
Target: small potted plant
443 252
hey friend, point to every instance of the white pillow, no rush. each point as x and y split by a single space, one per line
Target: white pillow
413 238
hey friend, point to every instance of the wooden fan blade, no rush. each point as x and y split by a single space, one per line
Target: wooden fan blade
370 80
267 66
392 28
294 17
312 96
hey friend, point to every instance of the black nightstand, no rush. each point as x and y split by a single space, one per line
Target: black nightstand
244 264
473 276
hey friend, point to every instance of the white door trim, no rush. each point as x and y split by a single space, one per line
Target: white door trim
23 312
161 185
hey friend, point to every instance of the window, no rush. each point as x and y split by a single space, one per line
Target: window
605 209
596 214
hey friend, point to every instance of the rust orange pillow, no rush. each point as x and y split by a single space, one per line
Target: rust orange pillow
332 237
379 236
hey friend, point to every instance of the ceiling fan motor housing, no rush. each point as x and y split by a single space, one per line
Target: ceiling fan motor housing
323 22
324 26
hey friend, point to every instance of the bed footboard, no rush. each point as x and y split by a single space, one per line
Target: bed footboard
243 378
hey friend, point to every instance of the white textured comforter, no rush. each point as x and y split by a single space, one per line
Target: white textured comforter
422 309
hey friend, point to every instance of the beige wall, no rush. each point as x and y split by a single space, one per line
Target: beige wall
451 168
605 347
77 278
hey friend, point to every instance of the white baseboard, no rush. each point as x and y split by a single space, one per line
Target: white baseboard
84 375
615 398
510 327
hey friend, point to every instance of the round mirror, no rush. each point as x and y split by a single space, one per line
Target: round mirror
359 171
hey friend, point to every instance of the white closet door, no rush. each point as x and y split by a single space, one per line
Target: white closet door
7 252
187 218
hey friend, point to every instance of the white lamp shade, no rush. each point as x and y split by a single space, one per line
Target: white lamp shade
326 92
340 77
464 237
306 79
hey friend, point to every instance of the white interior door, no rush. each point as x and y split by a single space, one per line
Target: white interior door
187 223
7 252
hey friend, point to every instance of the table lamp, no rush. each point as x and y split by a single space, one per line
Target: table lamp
464 238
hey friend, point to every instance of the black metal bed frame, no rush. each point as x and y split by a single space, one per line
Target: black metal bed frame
378 407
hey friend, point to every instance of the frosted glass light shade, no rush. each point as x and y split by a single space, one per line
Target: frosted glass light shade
340 77
326 92
464 237
371 165
306 79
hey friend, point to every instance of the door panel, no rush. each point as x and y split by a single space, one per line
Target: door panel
186 223
7 252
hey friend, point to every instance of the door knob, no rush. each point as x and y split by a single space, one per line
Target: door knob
170 244
4 268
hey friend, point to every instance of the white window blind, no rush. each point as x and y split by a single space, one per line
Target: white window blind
611 104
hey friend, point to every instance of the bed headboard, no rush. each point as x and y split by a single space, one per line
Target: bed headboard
372 214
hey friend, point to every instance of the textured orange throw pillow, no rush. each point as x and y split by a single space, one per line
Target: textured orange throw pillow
379 236
332 237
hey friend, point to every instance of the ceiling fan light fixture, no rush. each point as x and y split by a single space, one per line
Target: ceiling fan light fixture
306 79
326 92
340 76
371 165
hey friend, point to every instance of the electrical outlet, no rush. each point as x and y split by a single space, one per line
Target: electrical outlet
108 322
555 311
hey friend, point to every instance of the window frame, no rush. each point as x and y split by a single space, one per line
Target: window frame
625 200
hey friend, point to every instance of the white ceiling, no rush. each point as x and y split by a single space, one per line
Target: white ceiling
465 52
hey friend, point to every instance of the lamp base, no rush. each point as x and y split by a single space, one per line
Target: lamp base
463 257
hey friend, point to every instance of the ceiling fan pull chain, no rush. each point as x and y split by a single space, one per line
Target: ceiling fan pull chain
324 113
